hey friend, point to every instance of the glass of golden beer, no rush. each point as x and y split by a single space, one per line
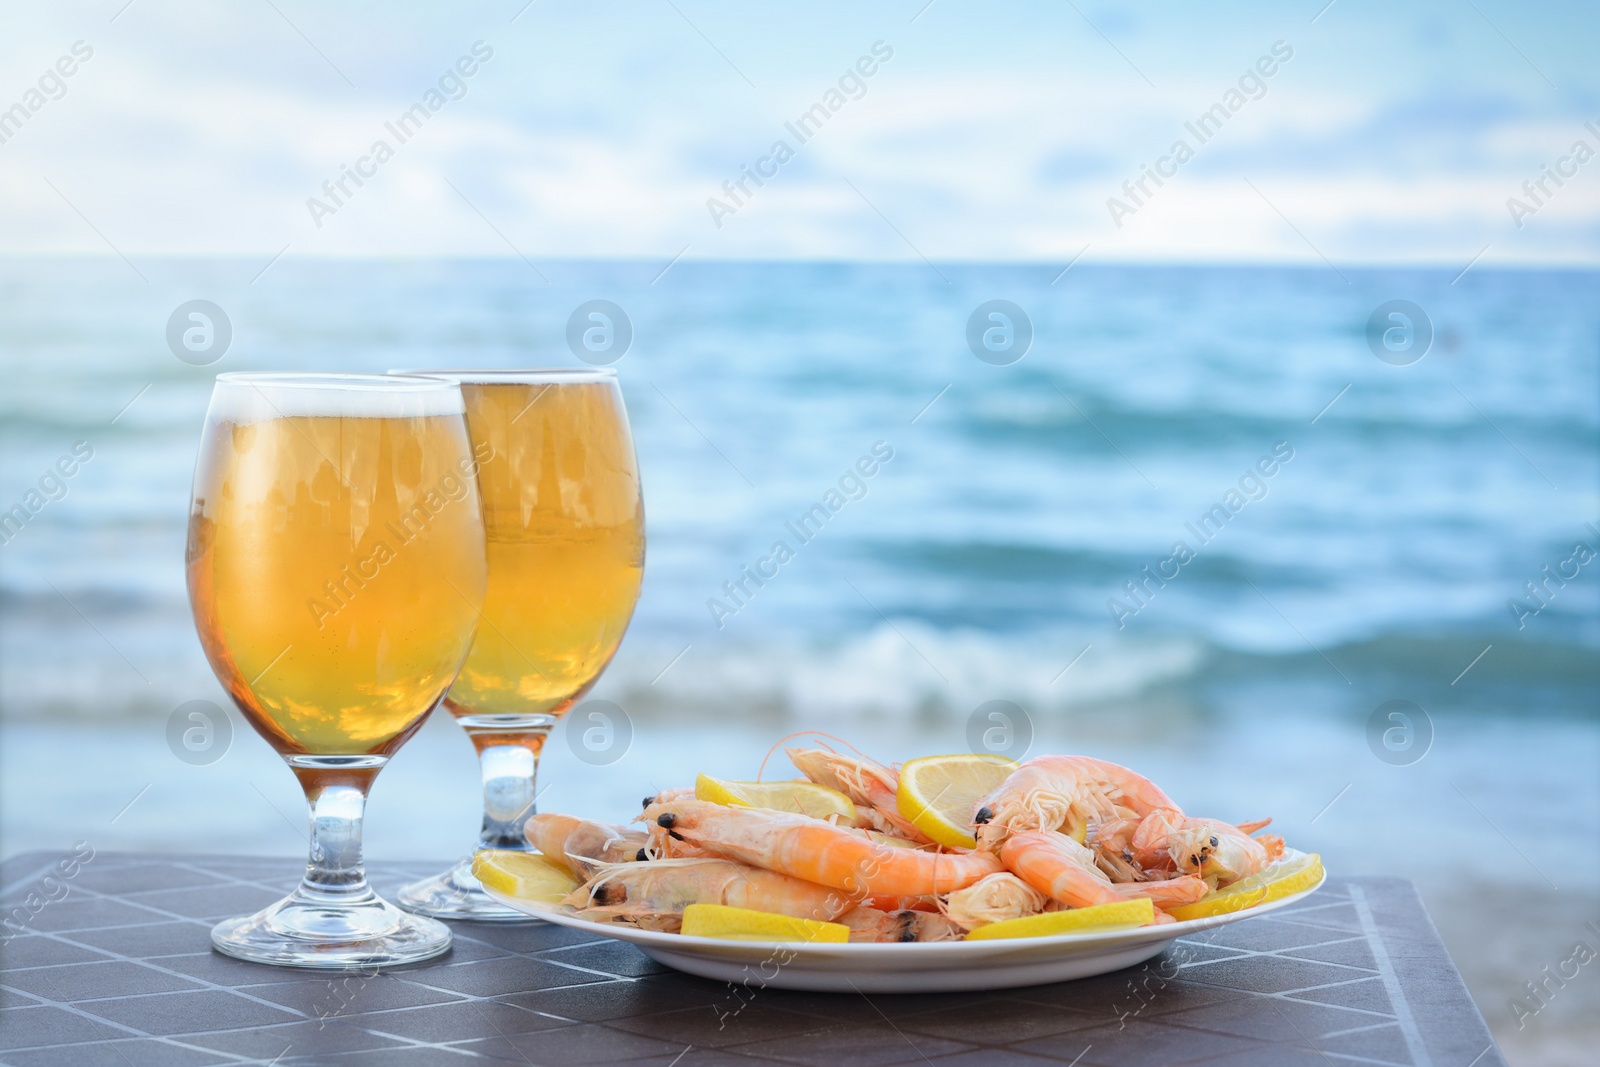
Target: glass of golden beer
564 520
336 572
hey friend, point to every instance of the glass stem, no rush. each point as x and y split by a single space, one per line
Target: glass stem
510 764
336 790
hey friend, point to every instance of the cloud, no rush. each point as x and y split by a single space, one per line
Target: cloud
569 145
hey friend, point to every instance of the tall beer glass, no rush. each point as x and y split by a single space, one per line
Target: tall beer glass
336 572
565 525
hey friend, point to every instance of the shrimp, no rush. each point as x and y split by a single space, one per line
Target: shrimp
676 792
1111 839
873 924
654 893
818 851
1063 793
1059 867
870 786
583 844
1219 852
991 899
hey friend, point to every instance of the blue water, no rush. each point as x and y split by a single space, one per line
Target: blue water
983 557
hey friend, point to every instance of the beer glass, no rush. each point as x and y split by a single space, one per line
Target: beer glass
565 526
336 572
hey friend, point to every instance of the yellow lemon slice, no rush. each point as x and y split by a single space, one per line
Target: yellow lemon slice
801 798
938 793
524 875
743 924
1098 918
1295 872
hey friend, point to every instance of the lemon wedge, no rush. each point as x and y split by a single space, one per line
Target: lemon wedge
524 875
938 793
800 798
1097 918
743 924
1293 873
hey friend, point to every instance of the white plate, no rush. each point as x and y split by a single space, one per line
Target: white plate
932 967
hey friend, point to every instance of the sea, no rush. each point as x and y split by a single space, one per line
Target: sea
1320 543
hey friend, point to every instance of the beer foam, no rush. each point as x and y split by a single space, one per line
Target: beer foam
246 399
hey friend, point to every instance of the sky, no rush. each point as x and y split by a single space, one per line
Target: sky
1385 133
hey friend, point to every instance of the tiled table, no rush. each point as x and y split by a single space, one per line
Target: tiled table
118 972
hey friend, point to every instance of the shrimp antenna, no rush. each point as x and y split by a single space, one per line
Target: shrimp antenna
814 733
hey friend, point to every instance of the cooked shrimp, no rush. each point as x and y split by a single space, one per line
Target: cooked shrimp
675 792
818 851
872 787
874 924
1064 870
993 898
654 893
1219 852
1063 793
582 844
1111 840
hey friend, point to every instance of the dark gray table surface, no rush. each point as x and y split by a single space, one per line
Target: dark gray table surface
118 971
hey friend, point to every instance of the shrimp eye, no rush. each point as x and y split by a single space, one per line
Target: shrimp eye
984 815
1213 842
667 820
1195 860
648 801
640 857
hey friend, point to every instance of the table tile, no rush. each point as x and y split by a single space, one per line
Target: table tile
188 1013
127 1053
581 1044
851 1045
324 1037
714 1027
92 981
157 938
37 950
998 1022
45 1024
1140 1044
128 949
458 1020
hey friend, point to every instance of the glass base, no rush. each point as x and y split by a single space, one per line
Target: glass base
456 894
298 931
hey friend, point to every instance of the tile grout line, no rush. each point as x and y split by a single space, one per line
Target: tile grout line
1391 982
